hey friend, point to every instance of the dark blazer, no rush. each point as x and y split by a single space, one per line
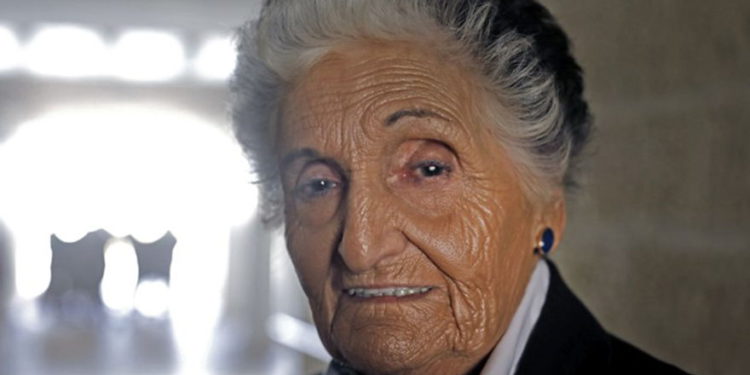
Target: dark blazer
567 340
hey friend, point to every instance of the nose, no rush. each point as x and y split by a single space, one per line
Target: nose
370 234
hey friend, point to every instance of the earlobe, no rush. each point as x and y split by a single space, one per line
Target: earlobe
558 218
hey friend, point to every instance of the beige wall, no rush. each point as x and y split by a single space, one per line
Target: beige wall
658 242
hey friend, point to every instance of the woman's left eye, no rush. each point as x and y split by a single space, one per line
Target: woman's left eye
432 168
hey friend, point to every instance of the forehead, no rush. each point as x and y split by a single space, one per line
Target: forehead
368 82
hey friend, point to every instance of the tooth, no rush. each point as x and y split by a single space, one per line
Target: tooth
380 292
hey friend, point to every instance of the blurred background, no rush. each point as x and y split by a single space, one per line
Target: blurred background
129 242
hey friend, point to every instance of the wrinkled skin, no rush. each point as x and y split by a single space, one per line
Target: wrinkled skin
390 179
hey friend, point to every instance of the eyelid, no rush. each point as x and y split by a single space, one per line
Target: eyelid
335 168
299 190
424 163
446 145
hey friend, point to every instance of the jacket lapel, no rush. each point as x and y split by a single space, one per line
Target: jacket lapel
566 339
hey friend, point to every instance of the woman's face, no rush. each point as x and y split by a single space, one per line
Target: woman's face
405 219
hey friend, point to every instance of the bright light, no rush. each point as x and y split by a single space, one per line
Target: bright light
10 51
152 298
73 52
120 275
33 257
146 231
145 55
216 59
198 274
127 169
70 231
66 52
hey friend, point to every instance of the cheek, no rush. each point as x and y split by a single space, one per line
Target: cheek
311 253
486 239
310 250
480 249
476 233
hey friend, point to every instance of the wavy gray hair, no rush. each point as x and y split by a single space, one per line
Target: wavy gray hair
520 53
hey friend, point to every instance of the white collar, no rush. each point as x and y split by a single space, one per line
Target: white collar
504 358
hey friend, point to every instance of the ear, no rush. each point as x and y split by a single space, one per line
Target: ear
553 216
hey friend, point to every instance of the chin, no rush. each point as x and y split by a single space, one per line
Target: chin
389 352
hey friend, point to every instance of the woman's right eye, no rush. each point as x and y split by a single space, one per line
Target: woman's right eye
317 180
315 188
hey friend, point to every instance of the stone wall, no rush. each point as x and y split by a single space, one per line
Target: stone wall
658 240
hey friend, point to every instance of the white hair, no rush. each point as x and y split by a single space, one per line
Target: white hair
291 35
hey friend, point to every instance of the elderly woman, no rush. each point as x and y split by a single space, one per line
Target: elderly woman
417 152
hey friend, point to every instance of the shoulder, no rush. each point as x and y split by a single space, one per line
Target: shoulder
567 339
627 359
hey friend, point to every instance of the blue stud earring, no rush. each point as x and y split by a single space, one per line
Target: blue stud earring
545 244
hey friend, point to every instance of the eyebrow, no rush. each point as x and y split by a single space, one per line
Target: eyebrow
296 154
311 153
414 112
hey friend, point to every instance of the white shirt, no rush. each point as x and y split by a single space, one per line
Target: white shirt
504 358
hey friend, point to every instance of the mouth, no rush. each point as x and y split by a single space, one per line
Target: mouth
398 292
